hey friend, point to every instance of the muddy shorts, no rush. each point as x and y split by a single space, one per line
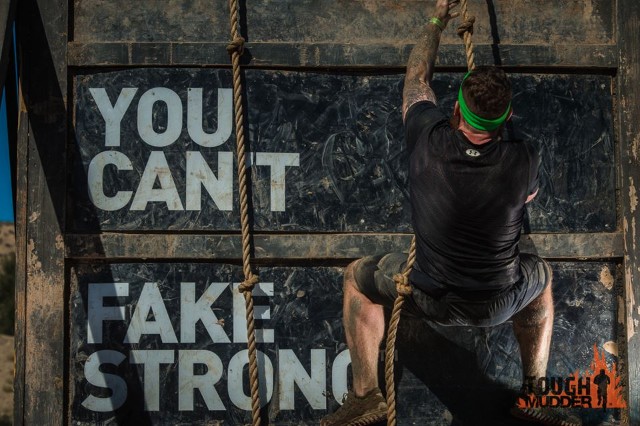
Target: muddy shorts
374 277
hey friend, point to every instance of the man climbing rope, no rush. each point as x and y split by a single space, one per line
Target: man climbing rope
468 191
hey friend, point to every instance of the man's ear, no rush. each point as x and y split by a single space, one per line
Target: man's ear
456 110
454 121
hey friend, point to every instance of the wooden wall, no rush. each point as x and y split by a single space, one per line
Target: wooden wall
114 197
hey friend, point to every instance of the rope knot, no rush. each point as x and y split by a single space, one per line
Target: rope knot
249 283
402 284
236 45
466 26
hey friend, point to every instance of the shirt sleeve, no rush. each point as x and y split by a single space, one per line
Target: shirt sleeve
534 171
421 118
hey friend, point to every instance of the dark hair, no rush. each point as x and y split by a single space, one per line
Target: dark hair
487 92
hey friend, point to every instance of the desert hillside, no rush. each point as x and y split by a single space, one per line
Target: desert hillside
7 246
7 238
6 379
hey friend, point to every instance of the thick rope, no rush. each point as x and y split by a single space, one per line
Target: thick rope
465 30
235 49
404 289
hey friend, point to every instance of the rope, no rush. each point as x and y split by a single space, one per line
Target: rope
235 49
404 289
465 30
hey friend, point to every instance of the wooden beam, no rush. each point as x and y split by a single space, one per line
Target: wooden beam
21 221
42 34
629 131
512 22
328 55
295 247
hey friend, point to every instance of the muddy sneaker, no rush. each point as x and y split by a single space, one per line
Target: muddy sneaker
358 411
546 416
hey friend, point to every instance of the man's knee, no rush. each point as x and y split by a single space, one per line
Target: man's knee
350 275
538 311
548 274
539 274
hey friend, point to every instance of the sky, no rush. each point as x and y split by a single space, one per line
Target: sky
6 201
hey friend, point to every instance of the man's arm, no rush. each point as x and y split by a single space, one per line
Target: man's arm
423 58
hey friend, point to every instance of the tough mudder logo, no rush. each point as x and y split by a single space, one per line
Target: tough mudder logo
599 387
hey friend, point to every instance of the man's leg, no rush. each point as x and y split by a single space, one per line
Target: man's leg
364 328
533 327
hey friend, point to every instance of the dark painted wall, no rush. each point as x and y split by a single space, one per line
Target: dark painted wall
446 372
343 139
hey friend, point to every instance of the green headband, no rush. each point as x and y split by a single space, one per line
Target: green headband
476 121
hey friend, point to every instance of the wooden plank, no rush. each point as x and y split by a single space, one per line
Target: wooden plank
21 266
295 247
629 110
543 22
42 27
326 55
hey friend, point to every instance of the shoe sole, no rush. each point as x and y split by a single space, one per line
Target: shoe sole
533 415
368 419
364 420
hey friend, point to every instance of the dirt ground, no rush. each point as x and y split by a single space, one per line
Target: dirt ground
6 379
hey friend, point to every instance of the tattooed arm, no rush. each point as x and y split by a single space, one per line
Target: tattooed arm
423 58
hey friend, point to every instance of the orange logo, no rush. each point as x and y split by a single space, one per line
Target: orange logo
598 387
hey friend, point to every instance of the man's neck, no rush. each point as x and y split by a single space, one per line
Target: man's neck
475 137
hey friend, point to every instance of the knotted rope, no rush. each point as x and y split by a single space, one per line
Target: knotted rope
404 289
465 30
235 49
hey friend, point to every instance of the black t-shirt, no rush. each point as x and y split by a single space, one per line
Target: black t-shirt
467 203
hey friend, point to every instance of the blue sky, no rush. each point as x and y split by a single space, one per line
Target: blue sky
6 202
